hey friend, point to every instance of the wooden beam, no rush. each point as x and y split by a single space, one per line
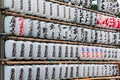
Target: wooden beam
29 62
100 78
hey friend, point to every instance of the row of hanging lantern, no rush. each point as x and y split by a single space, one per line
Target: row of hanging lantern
84 3
57 72
40 29
55 11
109 6
51 51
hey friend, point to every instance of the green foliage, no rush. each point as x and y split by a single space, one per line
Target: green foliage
118 14
94 7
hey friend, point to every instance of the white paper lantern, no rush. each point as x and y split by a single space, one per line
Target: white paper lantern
44 51
74 52
69 14
106 37
81 71
95 70
20 6
36 72
67 52
51 51
69 33
81 34
95 36
114 39
28 50
11 4
75 71
42 7
10 49
63 33
87 18
77 2
64 71
100 70
44 72
36 31
91 70
48 10
43 29
9 24
87 35
99 38
36 51
27 72
28 27
82 16
118 38
118 55
63 51
57 30
73 15
50 30
110 37
57 72
9 73
36 8
51 73
62 12
19 72
29 6
74 31
58 51
20 50
66 13
70 72
85 69
56 11
93 19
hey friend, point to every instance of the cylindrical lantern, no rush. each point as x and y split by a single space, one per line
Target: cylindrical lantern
36 31
9 25
28 50
36 72
27 72
11 73
44 51
29 6
43 29
19 72
51 51
20 50
28 27
36 51
42 7
50 30
11 4
10 49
